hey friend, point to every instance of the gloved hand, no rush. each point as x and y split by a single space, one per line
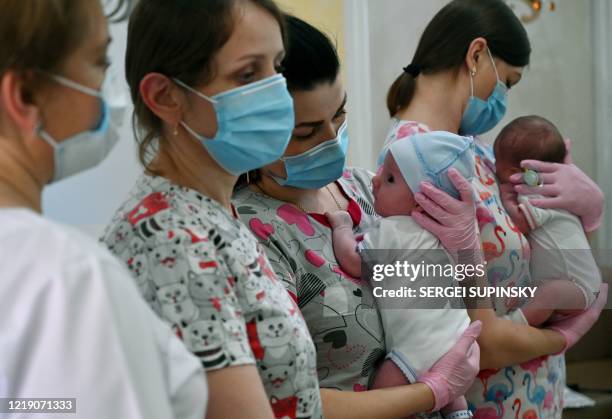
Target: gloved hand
339 219
565 187
452 221
575 327
452 375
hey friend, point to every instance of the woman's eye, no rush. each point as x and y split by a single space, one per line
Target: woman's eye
247 77
104 63
340 114
306 136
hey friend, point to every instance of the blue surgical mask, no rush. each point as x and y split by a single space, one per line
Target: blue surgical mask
254 124
87 149
319 166
481 116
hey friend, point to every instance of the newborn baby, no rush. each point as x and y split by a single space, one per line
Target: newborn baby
561 258
416 337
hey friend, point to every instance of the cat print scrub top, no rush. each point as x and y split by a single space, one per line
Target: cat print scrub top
203 272
533 388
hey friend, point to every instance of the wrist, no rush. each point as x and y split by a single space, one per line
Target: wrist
560 341
439 388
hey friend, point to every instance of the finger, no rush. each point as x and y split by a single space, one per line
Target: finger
568 147
463 186
467 339
517 179
441 198
426 222
540 166
547 178
430 207
474 357
474 329
546 203
544 190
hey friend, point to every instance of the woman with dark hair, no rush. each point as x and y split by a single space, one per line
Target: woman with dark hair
469 56
74 325
209 105
284 205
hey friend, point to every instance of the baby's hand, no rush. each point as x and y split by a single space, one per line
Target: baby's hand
339 219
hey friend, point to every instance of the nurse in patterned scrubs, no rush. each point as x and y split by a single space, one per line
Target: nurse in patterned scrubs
209 105
469 56
284 206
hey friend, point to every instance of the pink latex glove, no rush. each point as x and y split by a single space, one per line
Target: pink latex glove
565 187
452 221
452 375
575 327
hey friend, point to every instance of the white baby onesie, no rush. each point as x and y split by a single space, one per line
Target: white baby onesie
415 336
560 249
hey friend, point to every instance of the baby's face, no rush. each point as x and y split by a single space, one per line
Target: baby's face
392 195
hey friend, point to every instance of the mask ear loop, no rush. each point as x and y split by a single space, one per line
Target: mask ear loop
493 62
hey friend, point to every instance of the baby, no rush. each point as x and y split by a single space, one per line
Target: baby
561 258
416 337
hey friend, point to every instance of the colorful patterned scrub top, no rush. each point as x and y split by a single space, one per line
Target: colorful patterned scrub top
348 334
203 272
533 388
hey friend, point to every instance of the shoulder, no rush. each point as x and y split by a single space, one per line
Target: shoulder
48 255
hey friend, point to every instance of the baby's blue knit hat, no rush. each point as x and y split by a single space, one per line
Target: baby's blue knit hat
428 156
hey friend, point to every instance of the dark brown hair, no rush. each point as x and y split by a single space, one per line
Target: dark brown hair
177 38
530 138
447 38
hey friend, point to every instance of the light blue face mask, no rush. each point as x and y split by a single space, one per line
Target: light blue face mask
481 116
319 166
87 149
254 124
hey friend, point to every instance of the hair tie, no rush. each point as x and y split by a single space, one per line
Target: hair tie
413 69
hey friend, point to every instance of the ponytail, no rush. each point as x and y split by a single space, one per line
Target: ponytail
401 93
447 38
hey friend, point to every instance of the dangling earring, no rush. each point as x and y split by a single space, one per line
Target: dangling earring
473 72
248 178
175 132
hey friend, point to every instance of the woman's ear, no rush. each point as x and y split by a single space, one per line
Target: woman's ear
21 113
162 97
477 49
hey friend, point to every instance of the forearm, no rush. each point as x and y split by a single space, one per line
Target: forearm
504 343
345 250
389 403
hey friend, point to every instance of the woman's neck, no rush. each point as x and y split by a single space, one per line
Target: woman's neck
312 200
436 103
186 163
19 186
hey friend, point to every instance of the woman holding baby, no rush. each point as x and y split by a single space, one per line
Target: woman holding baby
469 56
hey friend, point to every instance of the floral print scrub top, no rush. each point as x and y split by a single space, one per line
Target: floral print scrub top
347 332
533 388
203 272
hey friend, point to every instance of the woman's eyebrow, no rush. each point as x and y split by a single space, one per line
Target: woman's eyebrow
314 124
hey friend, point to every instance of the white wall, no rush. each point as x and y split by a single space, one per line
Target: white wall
557 85
89 200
